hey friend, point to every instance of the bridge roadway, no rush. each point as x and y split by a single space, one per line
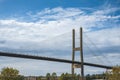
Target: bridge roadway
51 59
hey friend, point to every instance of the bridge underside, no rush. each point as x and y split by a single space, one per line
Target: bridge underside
52 59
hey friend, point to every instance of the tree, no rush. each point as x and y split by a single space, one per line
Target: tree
88 77
10 74
48 76
39 78
67 76
54 76
114 74
19 77
62 77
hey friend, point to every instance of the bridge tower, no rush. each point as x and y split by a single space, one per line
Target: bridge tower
81 66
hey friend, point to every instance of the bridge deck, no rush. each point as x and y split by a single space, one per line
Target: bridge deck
51 59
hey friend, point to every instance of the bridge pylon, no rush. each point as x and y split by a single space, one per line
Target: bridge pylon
81 66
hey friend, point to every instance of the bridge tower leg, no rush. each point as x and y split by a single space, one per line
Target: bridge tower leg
73 51
81 54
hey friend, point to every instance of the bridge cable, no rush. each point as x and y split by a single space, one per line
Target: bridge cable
98 50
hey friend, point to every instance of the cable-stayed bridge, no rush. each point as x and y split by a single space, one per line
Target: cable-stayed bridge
62 37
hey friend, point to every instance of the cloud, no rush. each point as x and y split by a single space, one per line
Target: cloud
106 11
34 67
57 13
56 20
48 33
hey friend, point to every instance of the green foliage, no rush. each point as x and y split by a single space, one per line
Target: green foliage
19 77
95 76
39 78
10 74
67 76
48 76
54 76
114 74
88 77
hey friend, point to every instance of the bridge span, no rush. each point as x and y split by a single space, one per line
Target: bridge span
51 59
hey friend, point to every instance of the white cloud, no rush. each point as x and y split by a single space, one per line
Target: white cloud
106 11
28 67
105 37
65 20
57 13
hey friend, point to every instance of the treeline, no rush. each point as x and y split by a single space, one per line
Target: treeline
64 76
13 74
95 76
67 76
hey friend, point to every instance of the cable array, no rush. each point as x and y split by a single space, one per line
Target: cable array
97 49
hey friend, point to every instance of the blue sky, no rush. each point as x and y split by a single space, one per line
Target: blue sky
42 27
20 7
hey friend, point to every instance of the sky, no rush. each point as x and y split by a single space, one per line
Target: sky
44 28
